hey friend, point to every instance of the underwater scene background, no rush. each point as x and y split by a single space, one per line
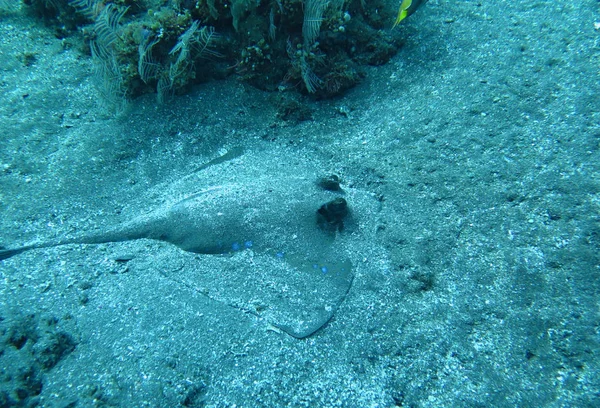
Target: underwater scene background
290 203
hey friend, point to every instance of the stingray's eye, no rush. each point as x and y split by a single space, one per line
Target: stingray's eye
330 183
331 215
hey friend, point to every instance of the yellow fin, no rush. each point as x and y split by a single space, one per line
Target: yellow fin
402 12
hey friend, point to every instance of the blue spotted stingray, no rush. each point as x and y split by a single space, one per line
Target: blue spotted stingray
301 274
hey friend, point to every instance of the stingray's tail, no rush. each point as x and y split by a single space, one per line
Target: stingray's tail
92 239
7 253
132 230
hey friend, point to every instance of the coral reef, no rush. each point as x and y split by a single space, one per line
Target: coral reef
163 46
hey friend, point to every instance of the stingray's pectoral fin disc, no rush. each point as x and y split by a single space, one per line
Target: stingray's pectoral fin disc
316 288
295 293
